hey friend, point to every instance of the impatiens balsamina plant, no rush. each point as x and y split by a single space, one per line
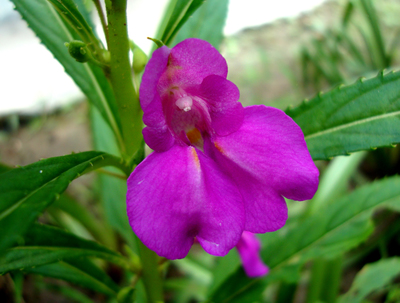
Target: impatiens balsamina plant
220 175
217 169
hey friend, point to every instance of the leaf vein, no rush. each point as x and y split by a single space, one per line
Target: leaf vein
351 124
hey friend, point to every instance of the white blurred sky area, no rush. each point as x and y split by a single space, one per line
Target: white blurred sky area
32 81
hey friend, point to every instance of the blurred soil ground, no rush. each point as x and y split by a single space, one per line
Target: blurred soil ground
45 136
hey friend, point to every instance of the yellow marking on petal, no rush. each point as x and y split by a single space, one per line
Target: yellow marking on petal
220 149
172 63
194 136
195 157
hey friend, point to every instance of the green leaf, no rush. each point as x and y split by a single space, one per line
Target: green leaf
18 279
331 231
324 60
45 245
207 23
69 10
319 63
126 295
4 168
373 22
225 267
80 272
334 182
372 277
373 57
25 192
360 116
353 49
348 12
96 227
53 31
183 9
68 292
393 296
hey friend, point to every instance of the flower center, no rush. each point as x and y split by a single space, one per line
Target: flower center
195 138
187 116
184 103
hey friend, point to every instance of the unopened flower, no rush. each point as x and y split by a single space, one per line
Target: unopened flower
249 247
217 169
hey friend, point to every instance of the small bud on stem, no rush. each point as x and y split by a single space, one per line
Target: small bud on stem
78 50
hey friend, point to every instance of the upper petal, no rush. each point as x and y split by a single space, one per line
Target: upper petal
158 138
222 98
189 62
152 73
268 158
184 67
157 135
180 194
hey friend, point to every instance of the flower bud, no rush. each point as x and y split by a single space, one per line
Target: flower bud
78 50
106 55
139 60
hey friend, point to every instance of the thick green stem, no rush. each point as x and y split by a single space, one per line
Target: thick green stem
151 278
333 277
316 282
325 280
131 119
121 77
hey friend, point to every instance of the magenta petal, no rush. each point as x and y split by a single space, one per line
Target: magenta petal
190 62
157 134
222 98
249 248
152 73
268 158
180 194
158 138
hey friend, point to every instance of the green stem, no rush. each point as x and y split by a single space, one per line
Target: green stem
121 77
151 278
325 280
109 173
107 160
332 280
316 281
131 120
286 292
18 278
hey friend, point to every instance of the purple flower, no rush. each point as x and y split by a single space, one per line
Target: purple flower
217 169
249 248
